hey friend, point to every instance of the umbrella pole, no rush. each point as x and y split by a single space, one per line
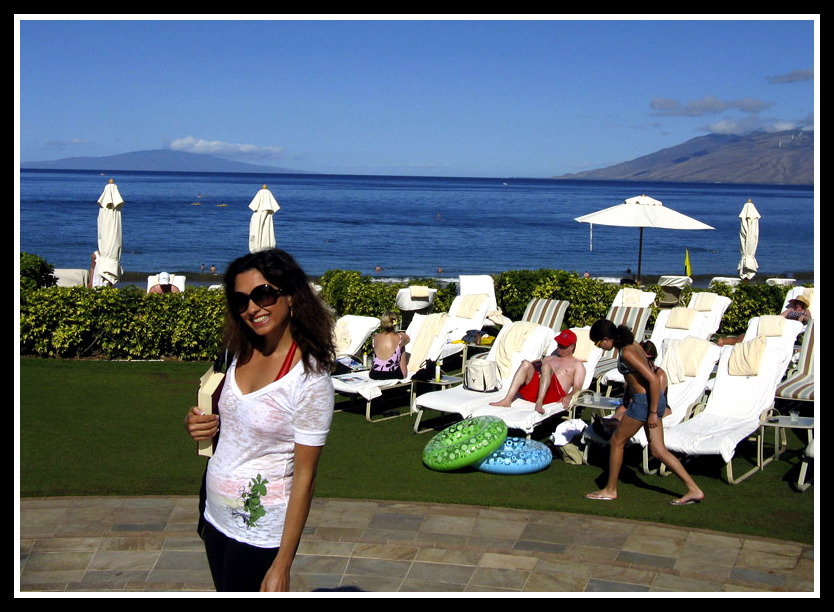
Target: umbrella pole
640 258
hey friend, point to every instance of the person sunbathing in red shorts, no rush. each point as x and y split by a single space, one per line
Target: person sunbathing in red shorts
550 379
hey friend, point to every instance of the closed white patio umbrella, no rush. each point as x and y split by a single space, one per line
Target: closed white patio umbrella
107 267
261 229
749 239
642 211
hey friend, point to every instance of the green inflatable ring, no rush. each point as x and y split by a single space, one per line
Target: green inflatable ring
464 443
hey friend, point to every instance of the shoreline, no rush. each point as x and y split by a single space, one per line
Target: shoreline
699 281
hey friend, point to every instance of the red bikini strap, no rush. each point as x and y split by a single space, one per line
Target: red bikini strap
285 367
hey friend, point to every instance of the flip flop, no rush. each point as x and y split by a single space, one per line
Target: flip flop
688 502
598 497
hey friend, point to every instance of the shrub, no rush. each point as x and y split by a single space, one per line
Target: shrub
131 324
35 272
120 323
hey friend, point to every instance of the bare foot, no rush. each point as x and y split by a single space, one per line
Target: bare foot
501 404
601 496
539 409
689 499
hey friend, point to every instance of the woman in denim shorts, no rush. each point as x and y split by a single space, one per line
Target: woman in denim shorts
645 409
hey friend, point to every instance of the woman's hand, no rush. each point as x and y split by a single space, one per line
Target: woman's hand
276 580
654 420
201 426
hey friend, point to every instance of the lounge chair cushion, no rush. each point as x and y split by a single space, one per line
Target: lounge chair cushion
470 304
771 325
419 291
584 346
692 351
747 357
681 318
631 297
704 300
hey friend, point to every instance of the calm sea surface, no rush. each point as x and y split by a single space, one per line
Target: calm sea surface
409 226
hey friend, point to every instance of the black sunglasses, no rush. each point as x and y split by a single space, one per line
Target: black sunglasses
263 296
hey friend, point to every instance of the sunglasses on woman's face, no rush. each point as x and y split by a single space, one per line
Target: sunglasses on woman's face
263 296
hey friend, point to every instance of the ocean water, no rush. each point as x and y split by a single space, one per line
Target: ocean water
409 226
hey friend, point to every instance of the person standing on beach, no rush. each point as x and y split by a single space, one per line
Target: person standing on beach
547 380
646 406
275 411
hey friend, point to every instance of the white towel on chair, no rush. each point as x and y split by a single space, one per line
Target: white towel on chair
671 362
567 431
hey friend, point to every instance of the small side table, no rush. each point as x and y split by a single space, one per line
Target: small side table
595 401
444 382
778 423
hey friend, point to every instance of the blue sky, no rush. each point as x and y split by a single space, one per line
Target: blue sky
490 96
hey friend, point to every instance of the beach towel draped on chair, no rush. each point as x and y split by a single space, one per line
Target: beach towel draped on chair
736 404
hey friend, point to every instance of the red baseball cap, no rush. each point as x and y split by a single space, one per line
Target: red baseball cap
566 338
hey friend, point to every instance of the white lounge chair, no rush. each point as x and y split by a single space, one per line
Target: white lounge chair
807 459
522 415
471 307
714 306
178 280
672 287
738 402
732 281
675 324
428 334
534 341
71 277
798 385
684 392
350 334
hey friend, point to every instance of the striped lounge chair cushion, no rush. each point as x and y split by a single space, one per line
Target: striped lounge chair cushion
549 313
800 384
636 319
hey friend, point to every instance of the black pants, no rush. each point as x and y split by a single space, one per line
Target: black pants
235 566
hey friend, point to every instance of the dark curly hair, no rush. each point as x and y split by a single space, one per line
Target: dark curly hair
603 328
311 321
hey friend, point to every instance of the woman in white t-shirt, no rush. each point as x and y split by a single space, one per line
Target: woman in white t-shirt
275 411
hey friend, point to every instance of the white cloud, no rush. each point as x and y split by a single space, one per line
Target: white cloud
219 148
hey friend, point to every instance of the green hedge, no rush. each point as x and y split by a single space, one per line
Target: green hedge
131 324
121 323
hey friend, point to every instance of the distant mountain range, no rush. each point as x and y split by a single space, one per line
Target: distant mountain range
157 160
774 158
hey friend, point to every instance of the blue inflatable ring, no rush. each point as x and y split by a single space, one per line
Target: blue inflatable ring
464 443
516 456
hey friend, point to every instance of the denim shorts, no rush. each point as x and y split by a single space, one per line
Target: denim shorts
638 408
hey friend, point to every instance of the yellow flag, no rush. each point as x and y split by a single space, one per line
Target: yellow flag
686 264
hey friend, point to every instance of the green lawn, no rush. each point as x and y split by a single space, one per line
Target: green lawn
115 428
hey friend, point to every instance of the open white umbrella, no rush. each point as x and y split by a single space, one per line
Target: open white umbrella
642 211
261 229
749 238
107 269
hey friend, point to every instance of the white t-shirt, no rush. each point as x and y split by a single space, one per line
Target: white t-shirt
250 475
